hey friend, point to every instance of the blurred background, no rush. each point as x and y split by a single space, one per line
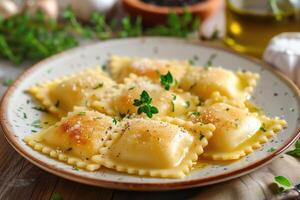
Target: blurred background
35 29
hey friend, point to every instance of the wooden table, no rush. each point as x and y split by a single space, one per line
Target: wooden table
19 179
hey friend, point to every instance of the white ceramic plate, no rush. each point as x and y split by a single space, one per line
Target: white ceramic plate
275 94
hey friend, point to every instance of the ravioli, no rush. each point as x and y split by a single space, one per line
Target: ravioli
61 95
120 102
121 67
237 132
154 148
203 82
75 139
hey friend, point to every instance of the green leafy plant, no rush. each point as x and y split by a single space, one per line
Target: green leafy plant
144 105
176 25
24 37
296 151
34 37
283 183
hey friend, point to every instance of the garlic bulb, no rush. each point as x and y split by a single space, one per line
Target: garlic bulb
8 8
84 9
49 7
283 52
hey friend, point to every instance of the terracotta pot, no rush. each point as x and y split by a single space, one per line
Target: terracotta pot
153 14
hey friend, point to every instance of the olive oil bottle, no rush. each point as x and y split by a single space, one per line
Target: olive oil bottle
252 23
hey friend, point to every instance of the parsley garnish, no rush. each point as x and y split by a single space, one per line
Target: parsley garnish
271 149
24 115
262 128
187 104
296 151
115 121
166 80
144 105
41 109
201 136
56 196
82 113
283 183
7 82
131 88
36 124
98 86
209 62
195 113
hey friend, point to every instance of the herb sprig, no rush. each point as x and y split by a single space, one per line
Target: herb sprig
166 80
144 105
34 37
296 151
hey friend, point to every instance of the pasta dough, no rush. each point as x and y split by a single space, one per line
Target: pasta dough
120 102
203 82
154 148
121 67
61 95
75 139
237 132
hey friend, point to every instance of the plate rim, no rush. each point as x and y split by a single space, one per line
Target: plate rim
12 140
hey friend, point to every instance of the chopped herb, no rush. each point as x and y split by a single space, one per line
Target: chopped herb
174 96
296 151
187 104
209 62
173 106
98 86
36 124
191 62
56 196
192 86
82 113
283 183
27 101
115 121
7 82
144 105
166 80
271 149
24 115
75 168
69 149
57 104
195 113
104 66
33 131
201 136
262 128
41 109
131 88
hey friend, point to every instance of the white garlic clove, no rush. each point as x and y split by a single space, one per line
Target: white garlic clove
84 9
283 52
8 8
49 7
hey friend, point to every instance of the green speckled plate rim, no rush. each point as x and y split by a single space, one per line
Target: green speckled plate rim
10 136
